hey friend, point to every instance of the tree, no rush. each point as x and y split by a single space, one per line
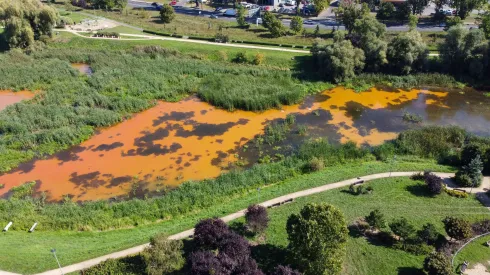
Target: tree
457 228
376 219
167 13
470 152
296 24
267 18
317 238
485 24
320 5
206 263
412 22
437 263
465 51
417 6
26 21
338 61
464 7
368 34
240 16
403 11
285 270
402 228
273 24
439 4
407 52
428 234
256 218
434 184
163 255
235 247
386 11
209 233
473 170
350 12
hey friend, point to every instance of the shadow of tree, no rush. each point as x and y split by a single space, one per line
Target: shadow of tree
418 190
269 256
240 228
410 271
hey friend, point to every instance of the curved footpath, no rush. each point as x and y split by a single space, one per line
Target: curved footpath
241 213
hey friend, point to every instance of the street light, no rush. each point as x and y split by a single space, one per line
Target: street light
54 254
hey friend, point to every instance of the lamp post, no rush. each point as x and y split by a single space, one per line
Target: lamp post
59 265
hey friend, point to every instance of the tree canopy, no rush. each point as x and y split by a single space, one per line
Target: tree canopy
317 238
26 21
407 52
167 13
163 255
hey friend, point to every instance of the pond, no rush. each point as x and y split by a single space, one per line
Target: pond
191 140
8 98
83 68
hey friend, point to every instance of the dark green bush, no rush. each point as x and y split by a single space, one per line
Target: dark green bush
125 266
464 180
384 151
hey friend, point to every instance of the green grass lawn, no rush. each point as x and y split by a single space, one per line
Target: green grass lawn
395 197
209 52
29 253
124 29
477 252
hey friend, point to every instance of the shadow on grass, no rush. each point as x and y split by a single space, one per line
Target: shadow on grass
419 190
354 231
269 256
240 228
410 271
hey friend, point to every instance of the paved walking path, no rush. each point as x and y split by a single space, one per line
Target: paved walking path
241 213
140 37
185 234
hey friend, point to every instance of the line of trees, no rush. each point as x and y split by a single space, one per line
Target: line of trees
101 4
364 49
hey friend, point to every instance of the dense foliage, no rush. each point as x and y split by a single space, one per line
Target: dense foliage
437 263
317 238
167 13
256 218
457 228
376 219
163 256
26 21
434 184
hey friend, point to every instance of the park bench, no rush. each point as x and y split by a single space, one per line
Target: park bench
280 203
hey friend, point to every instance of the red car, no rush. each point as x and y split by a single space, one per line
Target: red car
173 3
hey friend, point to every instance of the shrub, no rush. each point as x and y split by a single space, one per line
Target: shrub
296 24
470 152
235 247
167 13
463 179
316 164
376 219
409 117
414 248
127 266
384 151
202 262
428 234
23 190
434 184
256 218
209 233
221 38
437 264
481 227
258 59
455 193
163 255
402 228
240 57
418 176
457 228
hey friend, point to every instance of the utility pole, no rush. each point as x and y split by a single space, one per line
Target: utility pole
59 265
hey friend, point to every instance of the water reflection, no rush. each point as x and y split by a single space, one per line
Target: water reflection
192 140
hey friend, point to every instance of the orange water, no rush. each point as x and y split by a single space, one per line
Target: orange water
8 98
191 140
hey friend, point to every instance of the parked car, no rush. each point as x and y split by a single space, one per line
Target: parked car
230 12
213 16
309 22
290 3
218 9
173 3
155 4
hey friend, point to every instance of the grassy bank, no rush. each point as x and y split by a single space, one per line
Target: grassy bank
74 246
399 197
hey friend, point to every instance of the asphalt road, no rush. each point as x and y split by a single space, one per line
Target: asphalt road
324 24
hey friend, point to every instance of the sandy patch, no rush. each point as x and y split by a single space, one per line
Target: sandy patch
479 269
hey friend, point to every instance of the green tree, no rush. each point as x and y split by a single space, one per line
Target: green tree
474 171
417 6
240 16
402 228
428 234
317 239
163 255
485 24
320 5
457 228
407 52
167 13
403 11
296 24
267 19
386 11
412 22
376 219
26 21
437 263
339 61
349 12
370 33
465 51
276 28
464 7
